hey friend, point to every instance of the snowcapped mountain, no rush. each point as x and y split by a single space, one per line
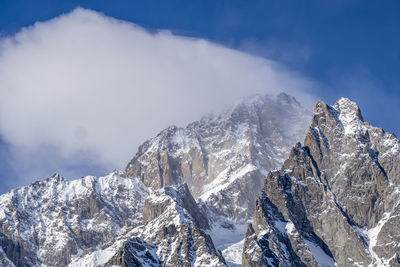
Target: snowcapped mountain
335 201
53 221
224 160
187 196
103 221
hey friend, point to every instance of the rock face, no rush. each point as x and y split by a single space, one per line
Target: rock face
135 252
334 201
224 159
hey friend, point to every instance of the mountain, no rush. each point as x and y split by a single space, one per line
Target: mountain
103 221
335 200
224 160
228 190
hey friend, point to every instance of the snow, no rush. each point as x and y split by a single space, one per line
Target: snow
96 258
392 144
49 210
319 255
223 180
372 235
348 116
230 241
172 214
127 194
282 226
224 237
290 229
233 254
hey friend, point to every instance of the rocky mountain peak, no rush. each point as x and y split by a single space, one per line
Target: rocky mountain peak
224 159
344 114
336 198
348 107
56 177
229 152
287 99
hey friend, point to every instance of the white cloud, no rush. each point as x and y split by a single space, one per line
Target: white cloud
85 83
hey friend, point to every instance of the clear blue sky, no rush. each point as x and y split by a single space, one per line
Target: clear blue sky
351 47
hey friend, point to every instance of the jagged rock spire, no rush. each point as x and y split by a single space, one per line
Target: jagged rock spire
335 199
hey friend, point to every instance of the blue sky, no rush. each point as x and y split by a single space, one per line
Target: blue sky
350 48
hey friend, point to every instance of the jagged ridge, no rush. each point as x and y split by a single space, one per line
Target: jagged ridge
335 199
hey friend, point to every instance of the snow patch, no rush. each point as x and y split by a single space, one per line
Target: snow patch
224 180
233 254
319 255
230 241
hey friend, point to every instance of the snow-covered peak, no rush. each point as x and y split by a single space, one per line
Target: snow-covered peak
225 155
349 115
224 158
56 218
337 197
345 117
251 105
86 221
56 177
345 114
345 103
342 126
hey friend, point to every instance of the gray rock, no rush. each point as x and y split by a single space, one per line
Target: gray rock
336 196
178 227
135 252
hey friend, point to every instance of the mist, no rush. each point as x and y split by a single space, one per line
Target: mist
85 89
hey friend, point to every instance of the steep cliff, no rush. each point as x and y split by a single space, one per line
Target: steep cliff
335 199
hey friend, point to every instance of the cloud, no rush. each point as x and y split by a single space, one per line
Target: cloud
288 53
93 88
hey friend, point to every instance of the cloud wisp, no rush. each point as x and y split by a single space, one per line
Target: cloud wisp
93 87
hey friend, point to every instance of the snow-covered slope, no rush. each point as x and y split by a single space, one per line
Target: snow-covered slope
53 220
89 221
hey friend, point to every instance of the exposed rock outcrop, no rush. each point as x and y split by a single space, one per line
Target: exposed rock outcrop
335 199
135 252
